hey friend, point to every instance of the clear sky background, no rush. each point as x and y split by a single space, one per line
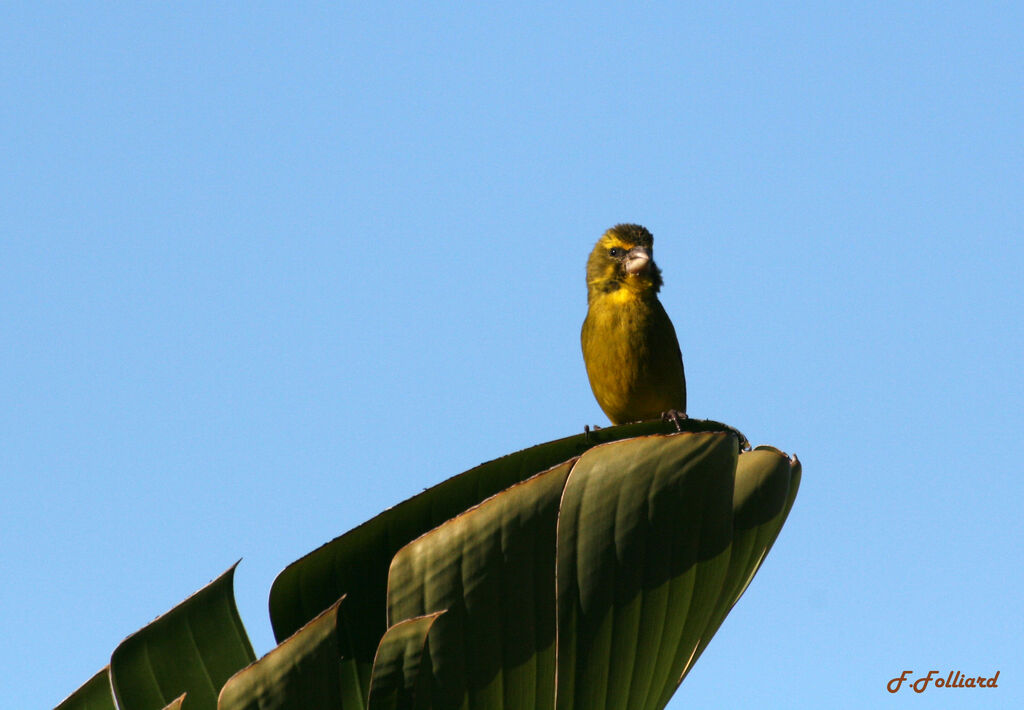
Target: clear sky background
267 270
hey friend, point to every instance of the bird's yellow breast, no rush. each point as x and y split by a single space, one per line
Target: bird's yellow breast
632 356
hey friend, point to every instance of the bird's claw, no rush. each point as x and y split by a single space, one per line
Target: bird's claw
674 416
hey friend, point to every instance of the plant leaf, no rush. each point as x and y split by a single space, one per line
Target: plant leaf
303 673
177 704
356 564
95 694
194 648
402 670
766 486
643 527
492 569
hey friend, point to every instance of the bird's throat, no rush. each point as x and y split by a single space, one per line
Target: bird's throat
629 292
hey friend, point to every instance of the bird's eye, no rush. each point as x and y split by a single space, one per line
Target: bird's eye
615 252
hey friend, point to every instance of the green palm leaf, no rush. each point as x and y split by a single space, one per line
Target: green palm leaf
95 694
302 673
590 572
356 564
194 648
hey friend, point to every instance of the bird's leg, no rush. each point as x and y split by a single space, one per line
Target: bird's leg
674 416
586 431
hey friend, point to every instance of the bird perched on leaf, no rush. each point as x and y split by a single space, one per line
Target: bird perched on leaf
629 345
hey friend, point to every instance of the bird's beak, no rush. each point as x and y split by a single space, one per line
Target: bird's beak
637 259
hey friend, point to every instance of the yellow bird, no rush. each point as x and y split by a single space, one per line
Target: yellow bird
629 345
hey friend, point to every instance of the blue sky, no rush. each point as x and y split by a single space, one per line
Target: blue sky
266 270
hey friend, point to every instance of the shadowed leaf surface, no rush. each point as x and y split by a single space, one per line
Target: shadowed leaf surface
641 533
767 482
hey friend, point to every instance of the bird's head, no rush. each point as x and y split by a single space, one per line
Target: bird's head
623 258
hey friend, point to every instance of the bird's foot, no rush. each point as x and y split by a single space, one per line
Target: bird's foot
674 416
